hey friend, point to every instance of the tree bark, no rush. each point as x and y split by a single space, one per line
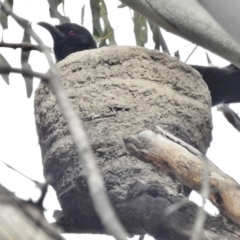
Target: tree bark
23 220
179 161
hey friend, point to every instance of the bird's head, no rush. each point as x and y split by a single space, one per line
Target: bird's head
69 38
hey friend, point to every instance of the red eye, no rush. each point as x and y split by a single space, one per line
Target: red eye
71 33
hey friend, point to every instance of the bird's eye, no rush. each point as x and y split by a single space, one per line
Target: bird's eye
71 33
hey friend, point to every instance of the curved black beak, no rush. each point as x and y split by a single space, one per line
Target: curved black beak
56 34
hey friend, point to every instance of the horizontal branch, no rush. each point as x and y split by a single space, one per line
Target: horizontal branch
177 160
24 46
25 71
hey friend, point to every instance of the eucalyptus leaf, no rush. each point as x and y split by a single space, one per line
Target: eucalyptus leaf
4 63
25 65
82 14
108 32
140 29
99 11
4 16
54 13
95 9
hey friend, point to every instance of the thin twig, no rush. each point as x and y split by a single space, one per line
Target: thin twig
230 115
94 179
191 53
27 72
22 174
25 46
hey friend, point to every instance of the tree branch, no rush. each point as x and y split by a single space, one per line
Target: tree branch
21 218
27 72
94 178
187 167
180 18
230 115
25 46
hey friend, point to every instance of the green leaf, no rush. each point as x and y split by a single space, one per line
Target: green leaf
25 65
54 13
4 63
82 14
163 43
4 16
108 32
158 37
95 9
140 29
99 11
156 34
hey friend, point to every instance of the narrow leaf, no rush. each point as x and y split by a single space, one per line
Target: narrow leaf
25 65
140 29
108 32
4 16
82 14
95 9
99 11
156 34
4 63
54 13
163 43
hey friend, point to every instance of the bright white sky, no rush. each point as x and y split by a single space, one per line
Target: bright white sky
18 138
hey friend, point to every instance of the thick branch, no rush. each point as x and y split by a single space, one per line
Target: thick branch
20 218
176 160
189 20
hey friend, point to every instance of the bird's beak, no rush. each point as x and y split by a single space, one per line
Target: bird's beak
56 34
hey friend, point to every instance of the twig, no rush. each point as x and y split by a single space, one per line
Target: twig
14 169
94 179
191 53
27 72
42 186
24 46
230 115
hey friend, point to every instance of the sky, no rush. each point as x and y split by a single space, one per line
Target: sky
18 138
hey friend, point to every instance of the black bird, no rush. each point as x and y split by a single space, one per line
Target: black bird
223 83
69 38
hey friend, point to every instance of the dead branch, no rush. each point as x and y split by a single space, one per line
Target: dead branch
186 166
21 218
